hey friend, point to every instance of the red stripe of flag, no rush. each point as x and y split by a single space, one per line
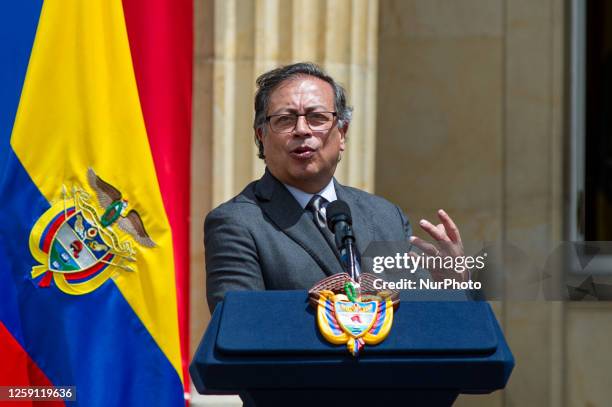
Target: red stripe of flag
18 369
161 42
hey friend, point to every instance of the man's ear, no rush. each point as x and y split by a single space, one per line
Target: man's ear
259 134
343 132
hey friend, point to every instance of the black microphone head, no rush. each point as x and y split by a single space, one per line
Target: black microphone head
337 211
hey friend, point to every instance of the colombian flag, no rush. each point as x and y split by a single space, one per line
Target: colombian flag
95 122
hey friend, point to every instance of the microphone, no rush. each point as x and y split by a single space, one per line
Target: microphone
340 222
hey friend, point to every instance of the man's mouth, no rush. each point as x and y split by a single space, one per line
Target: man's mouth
303 152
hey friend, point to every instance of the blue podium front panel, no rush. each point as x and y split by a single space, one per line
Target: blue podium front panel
269 340
441 328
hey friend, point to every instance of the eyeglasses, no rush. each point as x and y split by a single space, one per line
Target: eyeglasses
286 123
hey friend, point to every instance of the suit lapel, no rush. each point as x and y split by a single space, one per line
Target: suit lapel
282 209
362 227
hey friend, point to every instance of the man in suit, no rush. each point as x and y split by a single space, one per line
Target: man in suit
272 236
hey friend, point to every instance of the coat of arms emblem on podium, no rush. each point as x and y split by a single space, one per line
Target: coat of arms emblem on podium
351 313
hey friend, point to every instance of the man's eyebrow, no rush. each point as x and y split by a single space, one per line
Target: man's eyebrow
292 110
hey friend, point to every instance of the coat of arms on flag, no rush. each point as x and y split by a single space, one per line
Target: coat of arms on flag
76 247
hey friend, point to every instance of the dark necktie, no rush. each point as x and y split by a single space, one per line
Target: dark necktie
314 206
317 202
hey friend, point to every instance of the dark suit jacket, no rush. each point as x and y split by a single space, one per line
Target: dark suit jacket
263 240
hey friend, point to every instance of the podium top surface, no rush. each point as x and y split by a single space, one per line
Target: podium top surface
283 323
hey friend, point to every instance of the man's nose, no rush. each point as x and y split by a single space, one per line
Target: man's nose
301 127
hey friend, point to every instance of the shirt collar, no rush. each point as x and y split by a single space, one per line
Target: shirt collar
329 193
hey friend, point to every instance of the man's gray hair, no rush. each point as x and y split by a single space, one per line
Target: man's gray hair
267 82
